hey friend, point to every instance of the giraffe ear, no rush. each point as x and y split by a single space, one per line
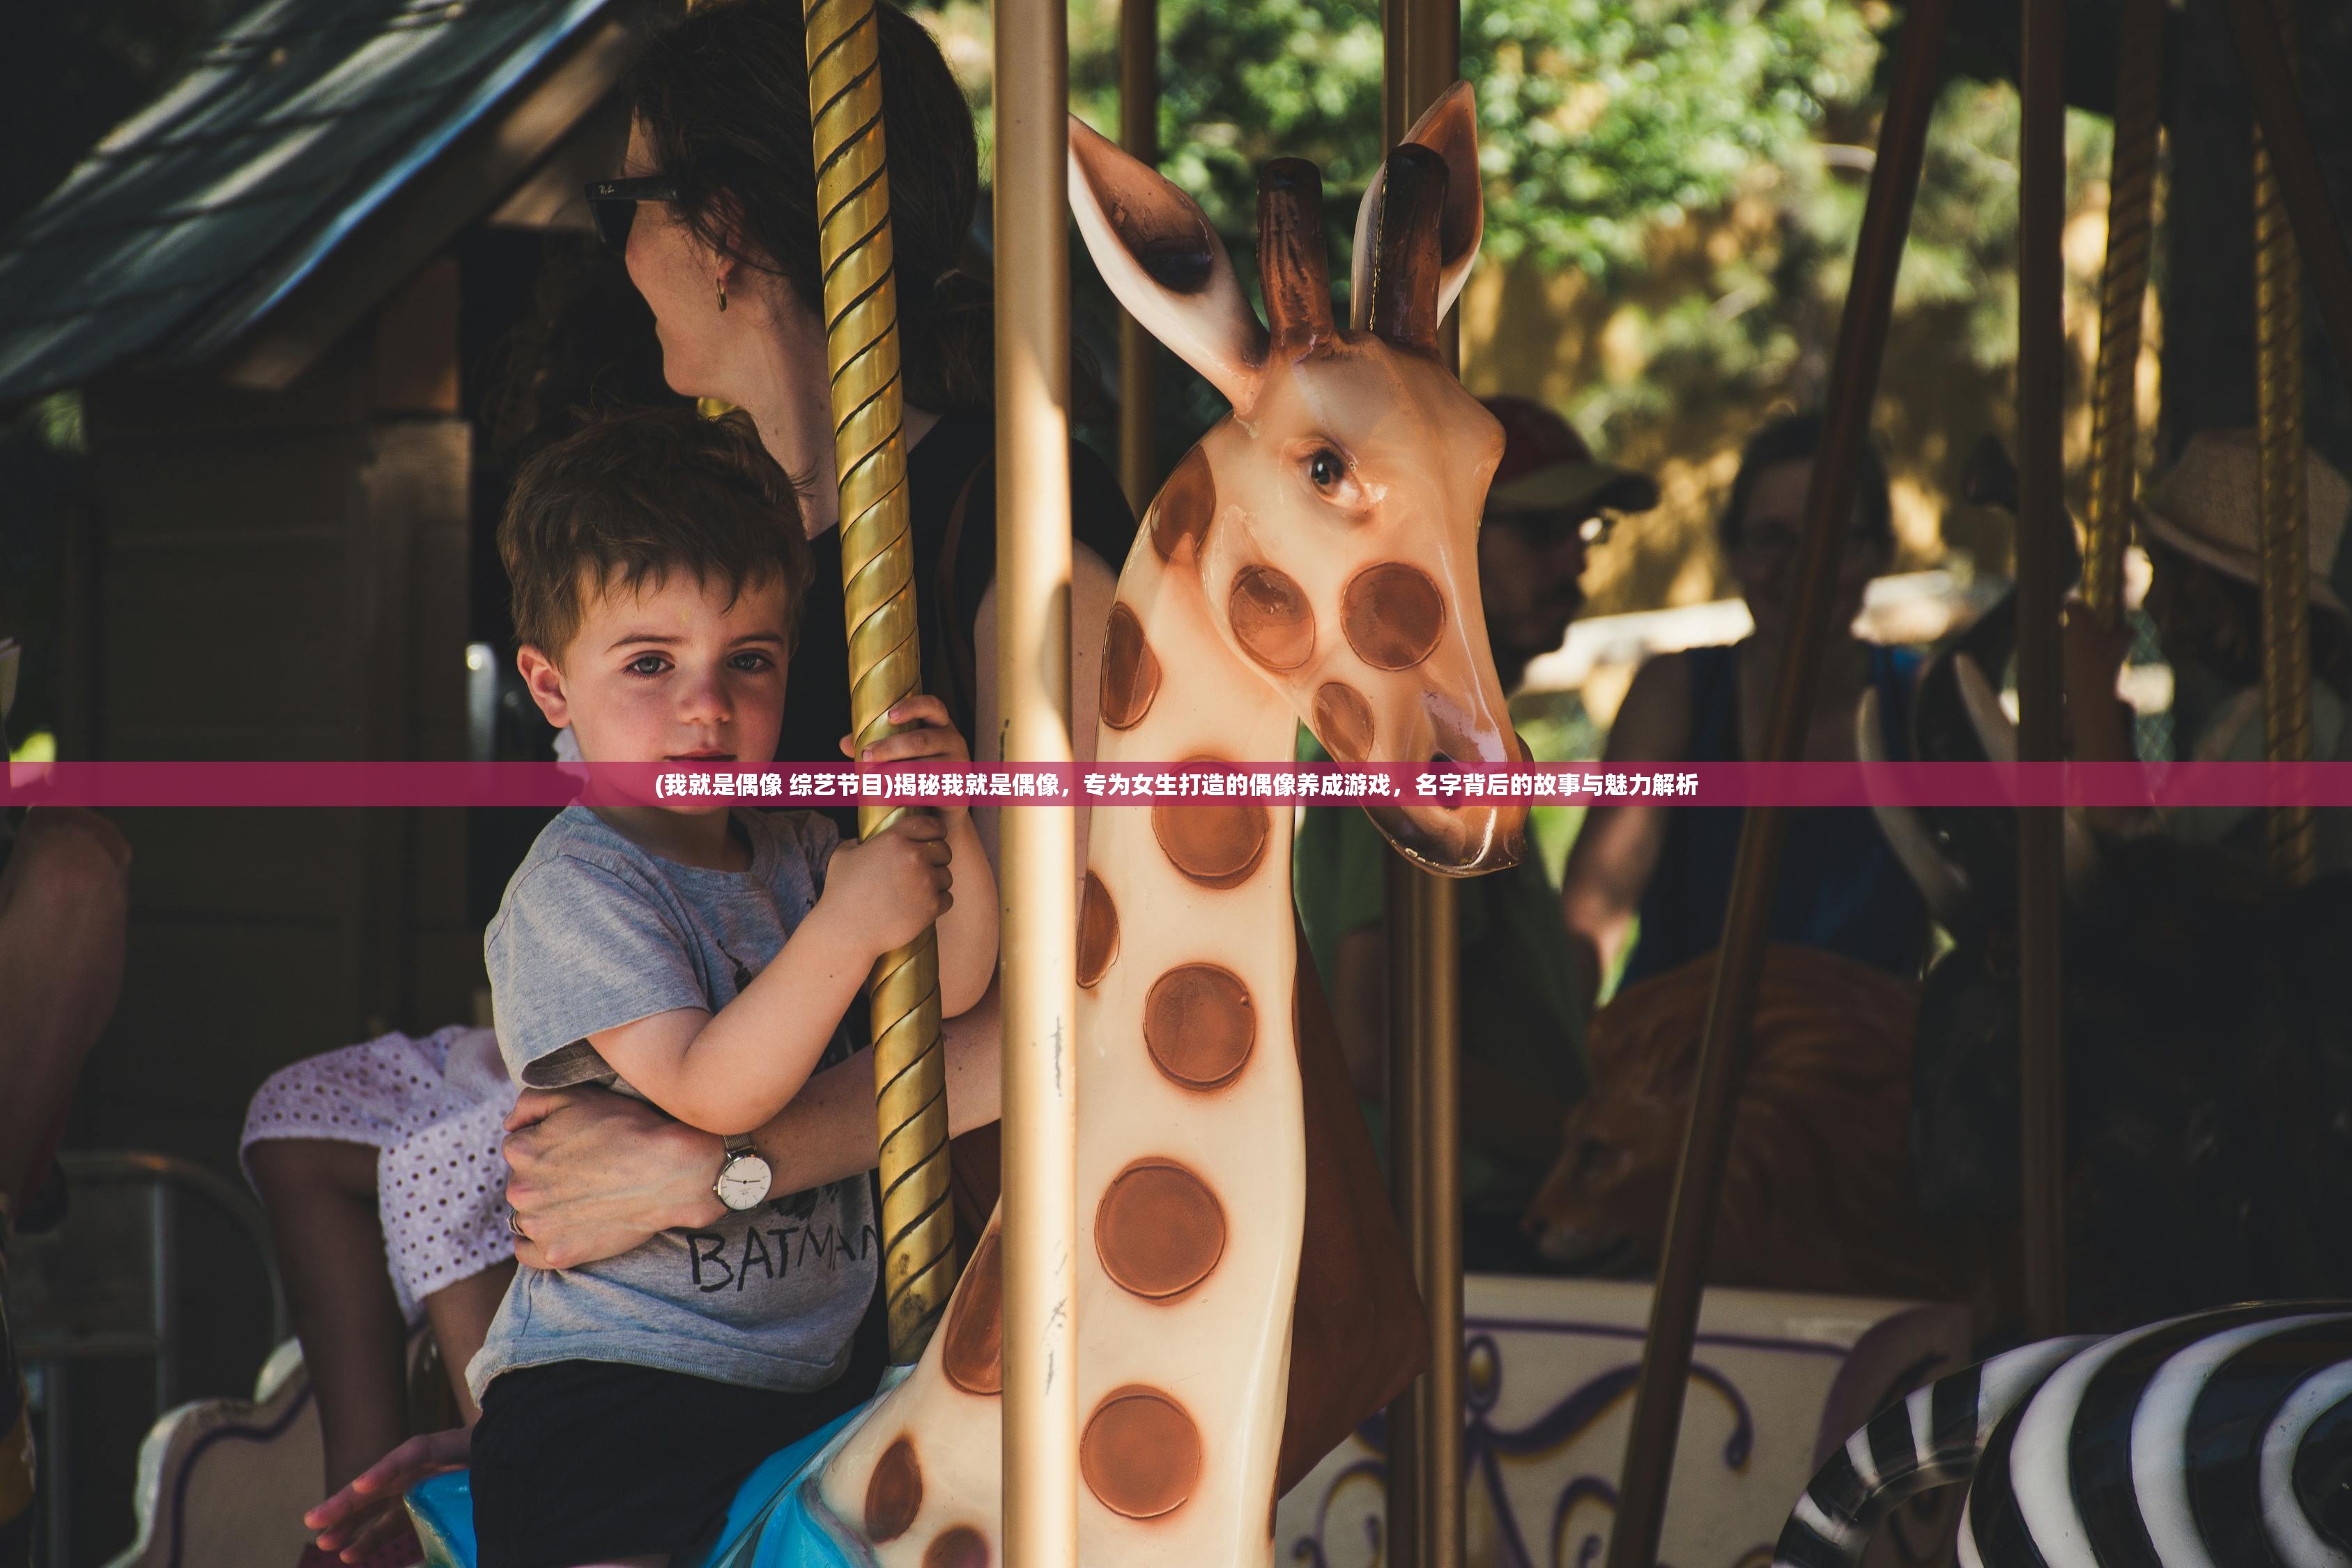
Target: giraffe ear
1156 251
1450 129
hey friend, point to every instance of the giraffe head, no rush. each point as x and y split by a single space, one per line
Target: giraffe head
1330 523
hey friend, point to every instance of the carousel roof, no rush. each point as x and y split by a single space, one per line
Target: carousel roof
291 137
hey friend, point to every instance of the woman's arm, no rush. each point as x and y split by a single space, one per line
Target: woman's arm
1617 847
968 930
594 1173
2097 722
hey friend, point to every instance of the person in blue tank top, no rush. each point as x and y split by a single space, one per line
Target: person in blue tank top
1841 887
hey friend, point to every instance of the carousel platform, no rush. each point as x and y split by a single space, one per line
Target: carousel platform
1778 1379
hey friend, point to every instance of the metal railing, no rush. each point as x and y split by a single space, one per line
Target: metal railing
58 1327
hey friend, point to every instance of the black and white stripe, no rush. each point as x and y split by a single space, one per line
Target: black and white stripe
2220 1440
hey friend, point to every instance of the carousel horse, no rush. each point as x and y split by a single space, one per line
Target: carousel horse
1314 559
2222 1439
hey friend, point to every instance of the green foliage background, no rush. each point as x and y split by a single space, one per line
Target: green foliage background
1698 165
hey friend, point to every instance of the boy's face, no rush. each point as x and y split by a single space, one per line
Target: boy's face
672 673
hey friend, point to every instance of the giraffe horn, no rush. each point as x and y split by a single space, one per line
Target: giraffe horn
1293 263
1407 259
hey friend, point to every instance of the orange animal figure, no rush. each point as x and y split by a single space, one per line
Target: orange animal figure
1817 1194
1313 559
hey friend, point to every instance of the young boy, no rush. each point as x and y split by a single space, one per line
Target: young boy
701 959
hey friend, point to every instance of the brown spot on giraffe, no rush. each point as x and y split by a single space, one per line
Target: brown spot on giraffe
1392 615
973 1356
958 1546
1097 932
1343 722
1215 845
1130 671
894 1493
1140 1453
1199 1025
1159 1229
1179 517
1271 618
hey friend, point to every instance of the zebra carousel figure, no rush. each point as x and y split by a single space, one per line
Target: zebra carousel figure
2221 1439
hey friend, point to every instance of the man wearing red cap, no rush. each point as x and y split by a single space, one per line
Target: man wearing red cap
1522 1021
1549 502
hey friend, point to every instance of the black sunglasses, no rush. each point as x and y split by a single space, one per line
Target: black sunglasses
612 204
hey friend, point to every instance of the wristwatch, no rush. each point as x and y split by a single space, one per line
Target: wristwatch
743 1175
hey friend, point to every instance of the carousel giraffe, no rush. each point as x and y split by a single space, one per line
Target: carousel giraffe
1313 559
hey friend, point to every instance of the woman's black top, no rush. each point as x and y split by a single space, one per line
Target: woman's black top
957 450
1840 887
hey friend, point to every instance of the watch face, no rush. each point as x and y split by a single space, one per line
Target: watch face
743 1183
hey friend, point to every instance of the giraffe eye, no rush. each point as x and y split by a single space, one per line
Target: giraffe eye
1325 469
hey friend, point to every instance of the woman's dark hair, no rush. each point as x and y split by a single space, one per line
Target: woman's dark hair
1795 437
722 97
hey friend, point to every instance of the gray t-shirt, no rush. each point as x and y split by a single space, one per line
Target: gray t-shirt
596 932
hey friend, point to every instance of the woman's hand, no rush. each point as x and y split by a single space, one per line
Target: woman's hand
929 737
370 1512
592 1174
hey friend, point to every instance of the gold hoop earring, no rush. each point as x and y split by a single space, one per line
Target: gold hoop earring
722 296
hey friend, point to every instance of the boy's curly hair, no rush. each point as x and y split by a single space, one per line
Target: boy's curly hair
629 499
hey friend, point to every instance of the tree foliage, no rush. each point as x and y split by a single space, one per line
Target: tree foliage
1601 120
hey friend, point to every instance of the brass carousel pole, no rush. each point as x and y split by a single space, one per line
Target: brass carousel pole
1421 58
2285 559
1740 963
2123 299
2041 515
869 455
1040 844
1138 352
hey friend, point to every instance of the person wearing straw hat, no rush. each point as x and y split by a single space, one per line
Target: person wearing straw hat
2202 529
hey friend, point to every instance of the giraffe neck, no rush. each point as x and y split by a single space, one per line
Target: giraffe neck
1192 1168
1192 1158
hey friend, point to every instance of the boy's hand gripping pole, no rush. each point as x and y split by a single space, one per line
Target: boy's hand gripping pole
869 455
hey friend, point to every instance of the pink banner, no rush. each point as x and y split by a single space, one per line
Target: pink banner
1111 785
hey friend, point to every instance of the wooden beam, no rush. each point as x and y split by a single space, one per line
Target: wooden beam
2041 515
2286 138
1423 57
1722 1049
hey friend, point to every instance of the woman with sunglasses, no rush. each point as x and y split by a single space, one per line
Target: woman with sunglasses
1841 887
715 217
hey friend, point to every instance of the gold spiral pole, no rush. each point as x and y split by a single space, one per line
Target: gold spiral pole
2123 295
2285 559
869 455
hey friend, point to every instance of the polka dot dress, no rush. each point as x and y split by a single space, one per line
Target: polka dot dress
432 1108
